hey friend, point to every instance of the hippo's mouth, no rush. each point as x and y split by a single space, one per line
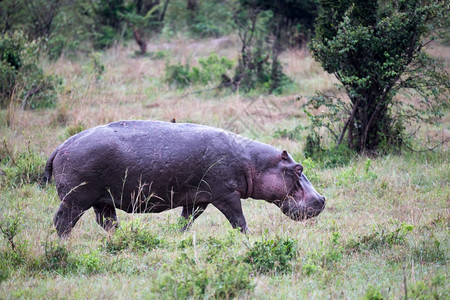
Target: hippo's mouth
300 211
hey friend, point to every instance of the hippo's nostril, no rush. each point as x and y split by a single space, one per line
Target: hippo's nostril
320 203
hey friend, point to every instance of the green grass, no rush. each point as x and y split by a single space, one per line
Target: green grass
385 223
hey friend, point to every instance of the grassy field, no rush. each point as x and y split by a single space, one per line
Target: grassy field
383 234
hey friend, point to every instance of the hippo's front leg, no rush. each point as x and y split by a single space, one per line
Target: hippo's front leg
231 207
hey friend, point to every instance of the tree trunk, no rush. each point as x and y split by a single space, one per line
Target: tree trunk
140 41
192 5
275 74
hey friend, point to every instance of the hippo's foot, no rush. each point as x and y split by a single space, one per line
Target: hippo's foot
105 215
66 217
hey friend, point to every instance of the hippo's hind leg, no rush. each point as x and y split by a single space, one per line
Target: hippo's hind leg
190 213
66 217
105 215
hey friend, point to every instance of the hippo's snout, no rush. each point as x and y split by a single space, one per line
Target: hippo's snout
319 203
304 203
299 211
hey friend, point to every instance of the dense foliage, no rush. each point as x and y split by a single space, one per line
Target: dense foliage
22 80
266 28
375 50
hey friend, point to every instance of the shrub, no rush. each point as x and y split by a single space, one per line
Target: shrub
309 169
95 68
21 77
10 227
430 250
57 257
436 288
293 134
373 293
380 239
216 247
131 235
327 157
25 168
4 269
268 256
310 268
201 18
183 279
186 279
210 70
323 257
88 263
232 277
74 129
178 75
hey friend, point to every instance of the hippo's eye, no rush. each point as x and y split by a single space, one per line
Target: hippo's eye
298 169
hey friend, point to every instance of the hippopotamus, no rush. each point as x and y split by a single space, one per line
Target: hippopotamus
153 166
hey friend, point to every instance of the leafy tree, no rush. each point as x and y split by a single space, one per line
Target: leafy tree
42 14
11 15
146 17
375 49
200 19
265 29
293 20
22 80
103 20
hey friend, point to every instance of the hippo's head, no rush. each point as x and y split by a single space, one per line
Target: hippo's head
282 182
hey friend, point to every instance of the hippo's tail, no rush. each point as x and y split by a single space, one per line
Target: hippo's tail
47 177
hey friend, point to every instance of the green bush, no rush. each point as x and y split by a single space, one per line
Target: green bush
436 288
327 157
269 256
373 293
21 77
203 19
293 134
183 279
74 129
88 263
186 279
4 269
309 169
57 257
178 75
132 235
380 239
95 68
324 257
430 250
10 227
25 168
210 70
158 55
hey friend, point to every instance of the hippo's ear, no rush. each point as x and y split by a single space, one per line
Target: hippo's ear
284 155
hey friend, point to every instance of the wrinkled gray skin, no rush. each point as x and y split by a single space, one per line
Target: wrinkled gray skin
150 166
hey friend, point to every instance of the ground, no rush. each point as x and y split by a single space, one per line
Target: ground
383 233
